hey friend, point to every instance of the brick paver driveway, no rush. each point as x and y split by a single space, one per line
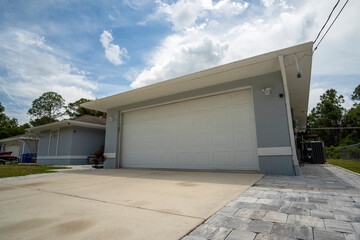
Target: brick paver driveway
323 203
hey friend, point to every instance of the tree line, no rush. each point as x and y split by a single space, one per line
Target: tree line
47 108
330 113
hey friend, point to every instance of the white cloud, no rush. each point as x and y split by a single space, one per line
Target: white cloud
113 52
185 13
33 67
267 3
188 56
226 39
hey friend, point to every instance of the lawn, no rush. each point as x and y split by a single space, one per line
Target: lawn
352 165
14 170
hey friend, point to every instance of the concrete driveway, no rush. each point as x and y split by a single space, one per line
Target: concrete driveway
115 204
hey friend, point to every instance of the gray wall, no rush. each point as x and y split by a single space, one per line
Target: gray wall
65 141
73 141
87 140
270 117
43 143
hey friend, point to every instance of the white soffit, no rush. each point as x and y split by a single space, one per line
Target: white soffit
250 67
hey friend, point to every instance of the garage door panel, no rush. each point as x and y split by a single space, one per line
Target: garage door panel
207 133
221 119
202 140
241 116
200 105
220 101
223 160
168 160
202 159
184 159
241 97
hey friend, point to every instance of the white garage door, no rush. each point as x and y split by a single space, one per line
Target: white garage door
215 132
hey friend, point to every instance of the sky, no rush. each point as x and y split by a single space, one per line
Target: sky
93 49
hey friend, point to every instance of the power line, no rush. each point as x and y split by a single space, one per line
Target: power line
326 21
331 25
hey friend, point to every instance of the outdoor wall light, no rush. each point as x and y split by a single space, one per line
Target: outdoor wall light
299 72
267 91
110 119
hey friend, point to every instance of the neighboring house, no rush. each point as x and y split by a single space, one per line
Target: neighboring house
238 116
19 145
70 142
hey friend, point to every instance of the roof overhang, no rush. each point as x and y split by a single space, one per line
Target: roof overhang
65 123
243 69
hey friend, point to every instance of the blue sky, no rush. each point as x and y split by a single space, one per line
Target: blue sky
94 49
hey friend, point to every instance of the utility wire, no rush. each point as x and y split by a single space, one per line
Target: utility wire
326 21
331 25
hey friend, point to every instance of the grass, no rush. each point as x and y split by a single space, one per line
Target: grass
14 170
352 165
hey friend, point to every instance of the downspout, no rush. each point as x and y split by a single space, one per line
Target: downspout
289 117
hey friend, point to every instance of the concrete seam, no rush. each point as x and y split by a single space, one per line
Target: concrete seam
119 204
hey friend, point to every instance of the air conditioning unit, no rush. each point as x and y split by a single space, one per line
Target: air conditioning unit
317 152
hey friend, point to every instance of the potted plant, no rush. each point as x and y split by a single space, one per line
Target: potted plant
98 159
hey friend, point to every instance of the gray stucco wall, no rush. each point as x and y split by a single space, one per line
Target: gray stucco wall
43 145
75 145
270 117
65 141
85 141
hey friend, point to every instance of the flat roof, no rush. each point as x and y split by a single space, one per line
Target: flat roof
259 65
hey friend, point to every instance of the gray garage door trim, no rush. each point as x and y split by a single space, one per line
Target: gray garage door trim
235 153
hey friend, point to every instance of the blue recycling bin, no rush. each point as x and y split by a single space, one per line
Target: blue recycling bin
28 157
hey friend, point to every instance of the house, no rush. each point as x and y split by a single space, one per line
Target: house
70 142
20 144
238 116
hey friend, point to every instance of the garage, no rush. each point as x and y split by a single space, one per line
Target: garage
14 148
237 116
211 132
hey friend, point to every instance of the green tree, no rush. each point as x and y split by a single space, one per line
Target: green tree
352 119
75 110
42 121
48 107
9 126
356 94
329 112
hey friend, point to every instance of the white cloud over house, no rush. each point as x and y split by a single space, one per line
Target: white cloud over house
210 34
113 52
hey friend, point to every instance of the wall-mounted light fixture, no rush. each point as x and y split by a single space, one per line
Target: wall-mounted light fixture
267 91
110 119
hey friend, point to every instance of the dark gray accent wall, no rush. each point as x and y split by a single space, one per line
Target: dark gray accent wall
276 165
43 145
270 117
85 141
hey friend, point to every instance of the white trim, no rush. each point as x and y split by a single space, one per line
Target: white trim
275 151
110 155
63 157
288 111
190 98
